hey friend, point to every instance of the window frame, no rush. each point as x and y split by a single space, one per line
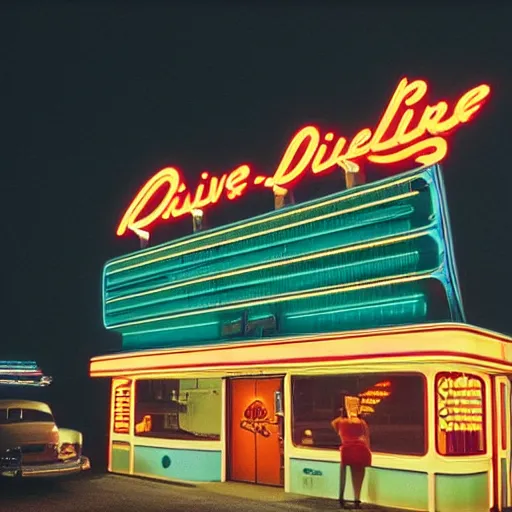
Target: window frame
504 416
484 414
384 375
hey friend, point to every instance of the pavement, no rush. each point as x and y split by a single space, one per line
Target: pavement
100 492
276 495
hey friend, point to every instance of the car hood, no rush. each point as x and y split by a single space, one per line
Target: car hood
23 434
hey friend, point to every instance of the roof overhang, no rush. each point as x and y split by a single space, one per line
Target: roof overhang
421 343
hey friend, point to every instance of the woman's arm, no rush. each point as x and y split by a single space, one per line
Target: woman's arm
366 433
334 424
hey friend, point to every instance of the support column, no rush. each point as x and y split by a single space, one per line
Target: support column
142 235
353 179
282 199
197 219
353 174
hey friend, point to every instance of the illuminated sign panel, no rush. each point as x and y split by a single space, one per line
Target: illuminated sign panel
374 256
459 403
460 418
22 373
409 130
373 396
121 395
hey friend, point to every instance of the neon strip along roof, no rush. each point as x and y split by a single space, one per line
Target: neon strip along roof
374 256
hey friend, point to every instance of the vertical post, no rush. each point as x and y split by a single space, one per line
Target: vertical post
142 235
197 219
283 198
353 179
144 242
353 174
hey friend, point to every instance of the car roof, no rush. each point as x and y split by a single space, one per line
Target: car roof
25 404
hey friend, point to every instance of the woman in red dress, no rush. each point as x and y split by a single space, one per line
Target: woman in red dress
355 447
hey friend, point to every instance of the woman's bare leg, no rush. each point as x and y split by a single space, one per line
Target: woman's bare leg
357 480
343 478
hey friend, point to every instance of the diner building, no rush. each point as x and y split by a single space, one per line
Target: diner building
238 341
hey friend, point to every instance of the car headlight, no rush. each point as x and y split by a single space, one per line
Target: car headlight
11 455
13 451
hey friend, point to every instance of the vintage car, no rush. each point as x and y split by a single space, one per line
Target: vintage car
31 444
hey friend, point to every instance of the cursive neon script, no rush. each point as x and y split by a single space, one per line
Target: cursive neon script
406 131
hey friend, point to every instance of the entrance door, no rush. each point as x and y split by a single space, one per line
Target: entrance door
256 440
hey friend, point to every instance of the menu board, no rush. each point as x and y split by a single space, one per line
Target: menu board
121 395
460 403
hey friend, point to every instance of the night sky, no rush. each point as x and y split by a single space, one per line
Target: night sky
97 97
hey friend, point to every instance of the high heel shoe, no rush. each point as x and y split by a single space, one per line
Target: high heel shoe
343 504
357 504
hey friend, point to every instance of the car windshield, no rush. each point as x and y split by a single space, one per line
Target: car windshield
18 415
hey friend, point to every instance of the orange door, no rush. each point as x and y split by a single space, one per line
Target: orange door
255 432
242 447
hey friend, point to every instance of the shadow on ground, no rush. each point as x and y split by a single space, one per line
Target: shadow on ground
17 489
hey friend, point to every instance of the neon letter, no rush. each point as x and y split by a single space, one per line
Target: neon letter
284 174
200 201
169 176
438 144
359 145
406 93
216 188
470 102
318 166
236 182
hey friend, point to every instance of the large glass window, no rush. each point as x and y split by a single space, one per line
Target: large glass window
393 405
178 408
460 414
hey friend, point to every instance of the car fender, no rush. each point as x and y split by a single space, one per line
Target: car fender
70 443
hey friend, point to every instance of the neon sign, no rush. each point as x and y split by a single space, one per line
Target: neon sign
145 425
122 405
373 396
256 419
407 130
460 404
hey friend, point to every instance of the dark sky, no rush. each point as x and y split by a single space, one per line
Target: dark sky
96 97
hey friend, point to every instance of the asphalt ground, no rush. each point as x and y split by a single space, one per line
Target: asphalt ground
100 492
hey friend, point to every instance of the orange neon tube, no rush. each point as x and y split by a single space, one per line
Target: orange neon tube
409 129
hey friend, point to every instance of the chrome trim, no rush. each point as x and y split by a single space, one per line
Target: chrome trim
55 469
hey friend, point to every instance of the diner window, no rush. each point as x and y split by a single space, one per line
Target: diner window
460 414
178 408
393 405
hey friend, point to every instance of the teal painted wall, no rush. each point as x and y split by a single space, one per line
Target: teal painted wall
120 461
192 465
385 487
462 493
397 488
504 480
287 272
315 478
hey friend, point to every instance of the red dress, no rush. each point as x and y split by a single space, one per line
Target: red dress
354 442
